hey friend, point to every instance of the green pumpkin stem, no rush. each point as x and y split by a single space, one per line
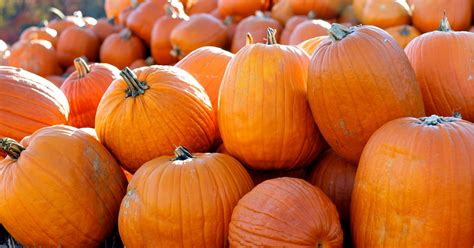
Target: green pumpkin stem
444 24
339 32
11 147
81 67
135 87
434 120
271 36
182 153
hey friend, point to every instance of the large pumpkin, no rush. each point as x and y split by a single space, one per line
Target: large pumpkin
285 212
84 89
142 19
189 196
415 178
61 183
382 13
36 56
149 111
272 127
403 34
28 103
325 9
426 14
76 42
122 49
445 76
307 30
43 33
201 30
354 86
241 8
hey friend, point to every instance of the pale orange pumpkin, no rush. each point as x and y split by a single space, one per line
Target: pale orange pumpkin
403 34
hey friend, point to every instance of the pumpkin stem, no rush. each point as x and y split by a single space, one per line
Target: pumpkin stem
58 13
135 87
82 67
126 34
176 52
228 20
339 32
311 15
444 24
11 147
182 153
111 20
259 14
248 39
149 61
78 14
170 12
434 120
405 31
271 39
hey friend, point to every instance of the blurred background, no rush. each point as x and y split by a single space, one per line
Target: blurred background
16 15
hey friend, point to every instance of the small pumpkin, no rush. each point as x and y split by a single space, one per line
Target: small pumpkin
351 72
404 169
63 22
142 62
104 28
309 29
76 42
59 168
122 49
290 26
84 89
306 217
201 6
446 80
241 8
382 13
151 109
43 33
426 14
323 8
201 30
403 34
141 19
216 183
310 45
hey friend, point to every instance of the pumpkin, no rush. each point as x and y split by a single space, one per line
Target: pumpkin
403 34
241 8
268 140
113 8
382 13
122 49
149 111
63 22
404 169
348 16
282 11
160 35
56 80
104 28
323 8
74 188
29 102
201 30
309 29
89 21
290 26
142 62
310 45
84 89
444 77
426 14
215 182
256 26
37 56
43 33
285 212
142 18
202 6
122 18
76 42
353 72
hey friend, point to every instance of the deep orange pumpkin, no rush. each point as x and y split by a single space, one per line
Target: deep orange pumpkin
282 11
403 34
426 14
354 86
309 29
104 28
76 42
285 212
415 178
325 9
43 33
382 13
28 103
84 89
122 49
196 194
142 62
445 78
272 128
310 45
74 188
290 26
113 8
149 111
142 18
241 8
201 6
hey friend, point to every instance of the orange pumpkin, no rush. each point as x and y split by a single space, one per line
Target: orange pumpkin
37 56
426 14
122 18
446 80
290 26
142 18
84 89
104 28
310 45
382 13
160 35
113 8
309 29
142 62
241 8
282 11
30 102
256 26
403 34
353 72
201 189
76 42
163 106
43 33
202 6
407 165
294 140
63 22
285 212
325 9
201 30
122 49
74 188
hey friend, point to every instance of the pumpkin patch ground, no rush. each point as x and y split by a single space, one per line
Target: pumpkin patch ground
224 123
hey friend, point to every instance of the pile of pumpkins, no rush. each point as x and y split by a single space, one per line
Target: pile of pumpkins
309 131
